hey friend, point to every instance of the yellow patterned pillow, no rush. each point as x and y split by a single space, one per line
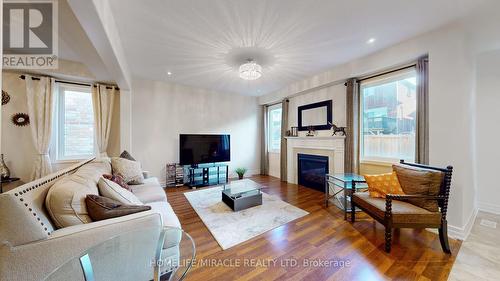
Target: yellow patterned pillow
381 185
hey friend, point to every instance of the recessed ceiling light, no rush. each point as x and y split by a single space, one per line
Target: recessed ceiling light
371 41
169 73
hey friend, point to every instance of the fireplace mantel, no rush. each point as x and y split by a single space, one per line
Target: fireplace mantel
331 146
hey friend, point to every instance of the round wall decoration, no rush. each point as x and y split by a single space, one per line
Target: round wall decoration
21 119
5 97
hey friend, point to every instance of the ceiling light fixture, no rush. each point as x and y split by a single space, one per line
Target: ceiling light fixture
371 41
250 70
169 73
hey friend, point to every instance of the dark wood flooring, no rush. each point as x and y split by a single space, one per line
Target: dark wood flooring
322 244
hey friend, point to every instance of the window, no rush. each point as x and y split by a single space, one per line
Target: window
388 117
73 123
274 119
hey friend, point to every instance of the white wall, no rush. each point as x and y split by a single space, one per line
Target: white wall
487 131
161 111
451 93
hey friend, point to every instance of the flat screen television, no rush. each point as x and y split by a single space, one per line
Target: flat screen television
201 149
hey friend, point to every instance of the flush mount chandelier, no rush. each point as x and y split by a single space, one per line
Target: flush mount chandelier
250 70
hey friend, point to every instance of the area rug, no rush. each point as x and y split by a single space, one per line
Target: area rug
231 228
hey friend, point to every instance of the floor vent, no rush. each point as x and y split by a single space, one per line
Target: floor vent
488 223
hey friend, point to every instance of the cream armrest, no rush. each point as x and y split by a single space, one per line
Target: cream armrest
35 261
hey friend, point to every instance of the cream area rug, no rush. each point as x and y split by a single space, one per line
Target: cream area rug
231 228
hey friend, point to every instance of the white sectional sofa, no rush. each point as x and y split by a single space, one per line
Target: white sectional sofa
31 247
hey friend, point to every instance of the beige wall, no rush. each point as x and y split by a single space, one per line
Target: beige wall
374 168
161 111
17 144
274 164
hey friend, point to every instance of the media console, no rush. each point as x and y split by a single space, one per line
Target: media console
207 174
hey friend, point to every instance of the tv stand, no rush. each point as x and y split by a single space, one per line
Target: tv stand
207 174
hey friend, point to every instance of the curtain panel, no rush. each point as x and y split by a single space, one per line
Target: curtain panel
102 100
264 157
351 161
283 149
422 126
40 99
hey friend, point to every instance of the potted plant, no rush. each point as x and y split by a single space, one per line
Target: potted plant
241 172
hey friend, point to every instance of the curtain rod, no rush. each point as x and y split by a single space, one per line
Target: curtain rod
69 82
386 72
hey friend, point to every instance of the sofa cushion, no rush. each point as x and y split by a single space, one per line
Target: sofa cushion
167 213
94 170
149 191
125 154
418 181
65 200
101 208
381 185
402 212
113 191
118 179
130 170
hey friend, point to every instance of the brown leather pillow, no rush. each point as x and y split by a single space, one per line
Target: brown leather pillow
419 181
118 179
101 208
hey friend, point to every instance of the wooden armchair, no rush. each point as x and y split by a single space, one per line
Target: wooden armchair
396 211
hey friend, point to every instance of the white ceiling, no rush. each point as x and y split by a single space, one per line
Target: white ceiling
203 42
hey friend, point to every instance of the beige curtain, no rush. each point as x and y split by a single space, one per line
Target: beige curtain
422 126
40 96
283 150
103 99
264 157
351 161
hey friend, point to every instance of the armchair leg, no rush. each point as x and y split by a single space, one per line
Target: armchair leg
388 239
443 237
353 211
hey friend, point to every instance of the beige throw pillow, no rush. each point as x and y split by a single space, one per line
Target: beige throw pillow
114 191
130 170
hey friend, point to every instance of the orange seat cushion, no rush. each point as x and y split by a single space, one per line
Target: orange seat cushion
381 185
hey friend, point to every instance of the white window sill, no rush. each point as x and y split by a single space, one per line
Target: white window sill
274 152
70 161
387 163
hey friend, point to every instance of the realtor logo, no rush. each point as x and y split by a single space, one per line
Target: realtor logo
30 34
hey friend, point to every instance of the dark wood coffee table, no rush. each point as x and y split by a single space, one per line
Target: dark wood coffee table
242 194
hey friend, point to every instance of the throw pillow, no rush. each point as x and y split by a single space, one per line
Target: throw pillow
101 208
117 178
130 170
418 181
113 191
127 155
381 185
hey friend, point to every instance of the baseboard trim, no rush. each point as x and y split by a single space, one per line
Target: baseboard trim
489 208
461 233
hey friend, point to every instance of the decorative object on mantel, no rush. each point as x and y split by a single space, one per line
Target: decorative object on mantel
311 131
337 129
21 119
5 97
175 175
241 172
294 132
4 170
288 133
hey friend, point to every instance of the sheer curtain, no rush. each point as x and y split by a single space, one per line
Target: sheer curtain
103 99
40 97
264 158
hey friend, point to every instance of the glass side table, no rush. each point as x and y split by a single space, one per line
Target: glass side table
340 186
156 253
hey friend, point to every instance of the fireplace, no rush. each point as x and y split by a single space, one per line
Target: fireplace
312 170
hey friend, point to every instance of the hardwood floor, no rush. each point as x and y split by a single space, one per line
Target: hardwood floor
347 251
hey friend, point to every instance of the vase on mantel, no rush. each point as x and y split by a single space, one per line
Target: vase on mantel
4 170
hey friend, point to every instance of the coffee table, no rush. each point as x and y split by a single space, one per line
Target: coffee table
242 194
135 255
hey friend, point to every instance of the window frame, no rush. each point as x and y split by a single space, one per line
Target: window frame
57 142
380 80
269 110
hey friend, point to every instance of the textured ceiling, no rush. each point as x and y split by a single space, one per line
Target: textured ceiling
203 42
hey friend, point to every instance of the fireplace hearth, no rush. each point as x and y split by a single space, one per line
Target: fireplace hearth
312 170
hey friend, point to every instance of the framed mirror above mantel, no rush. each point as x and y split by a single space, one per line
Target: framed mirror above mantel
317 116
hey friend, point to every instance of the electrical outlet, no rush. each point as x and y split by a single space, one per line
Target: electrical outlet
488 223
